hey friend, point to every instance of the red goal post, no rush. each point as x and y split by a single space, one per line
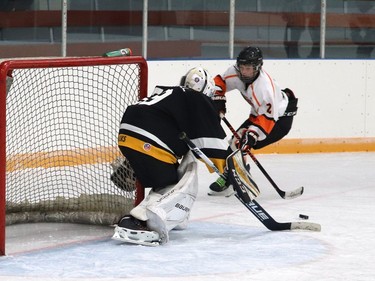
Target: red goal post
59 119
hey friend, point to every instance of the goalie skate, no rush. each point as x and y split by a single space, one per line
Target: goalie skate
221 187
146 238
132 230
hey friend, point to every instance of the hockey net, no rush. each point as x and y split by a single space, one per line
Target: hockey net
59 124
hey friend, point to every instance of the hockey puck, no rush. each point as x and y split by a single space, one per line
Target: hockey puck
305 217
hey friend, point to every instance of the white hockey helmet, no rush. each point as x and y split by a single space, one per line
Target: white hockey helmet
198 79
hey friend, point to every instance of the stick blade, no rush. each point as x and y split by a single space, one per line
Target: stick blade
294 194
309 226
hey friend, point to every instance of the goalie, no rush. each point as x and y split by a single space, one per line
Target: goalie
149 140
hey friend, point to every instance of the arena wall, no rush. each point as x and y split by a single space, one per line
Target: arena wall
336 100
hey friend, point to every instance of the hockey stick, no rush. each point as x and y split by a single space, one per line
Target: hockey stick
284 194
253 206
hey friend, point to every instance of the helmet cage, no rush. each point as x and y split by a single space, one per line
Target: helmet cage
199 80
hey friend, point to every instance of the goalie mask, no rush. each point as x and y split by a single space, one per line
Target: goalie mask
249 57
198 79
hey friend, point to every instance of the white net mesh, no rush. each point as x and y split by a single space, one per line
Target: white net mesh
62 125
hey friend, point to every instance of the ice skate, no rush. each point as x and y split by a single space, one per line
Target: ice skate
221 188
132 230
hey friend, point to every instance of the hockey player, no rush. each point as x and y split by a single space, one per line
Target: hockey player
271 109
149 140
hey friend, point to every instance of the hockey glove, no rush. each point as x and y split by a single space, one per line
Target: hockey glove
220 85
289 93
219 98
220 103
247 141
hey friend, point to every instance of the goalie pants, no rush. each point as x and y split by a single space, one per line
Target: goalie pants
150 171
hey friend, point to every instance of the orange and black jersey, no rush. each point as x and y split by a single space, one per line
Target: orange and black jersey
152 126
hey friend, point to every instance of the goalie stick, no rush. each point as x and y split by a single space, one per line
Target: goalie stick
253 206
283 194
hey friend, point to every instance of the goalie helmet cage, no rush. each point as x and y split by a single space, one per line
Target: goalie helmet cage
59 120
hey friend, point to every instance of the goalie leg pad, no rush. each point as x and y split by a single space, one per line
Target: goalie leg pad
241 178
169 208
140 211
172 209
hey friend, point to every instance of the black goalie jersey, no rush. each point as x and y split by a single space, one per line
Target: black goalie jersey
152 126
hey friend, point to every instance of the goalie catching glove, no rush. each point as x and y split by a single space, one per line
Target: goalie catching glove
123 174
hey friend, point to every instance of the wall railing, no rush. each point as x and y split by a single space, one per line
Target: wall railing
265 26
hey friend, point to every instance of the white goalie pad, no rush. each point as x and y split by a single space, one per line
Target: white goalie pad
170 207
241 178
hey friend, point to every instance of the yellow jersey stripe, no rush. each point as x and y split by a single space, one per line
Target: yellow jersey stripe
146 148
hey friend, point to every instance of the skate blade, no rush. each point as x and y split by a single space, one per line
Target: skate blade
125 239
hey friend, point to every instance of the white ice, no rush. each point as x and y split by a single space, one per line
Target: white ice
224 241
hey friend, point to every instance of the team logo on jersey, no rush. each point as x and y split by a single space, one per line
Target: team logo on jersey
122 138
147 146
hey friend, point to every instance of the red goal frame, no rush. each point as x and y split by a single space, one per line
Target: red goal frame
7 66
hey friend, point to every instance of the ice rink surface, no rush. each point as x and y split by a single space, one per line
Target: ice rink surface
224 241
